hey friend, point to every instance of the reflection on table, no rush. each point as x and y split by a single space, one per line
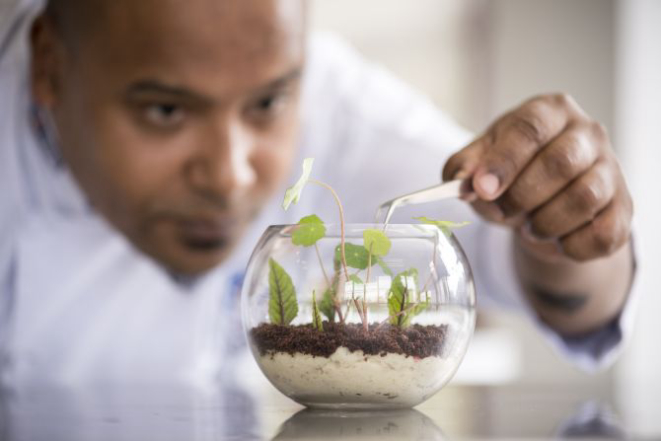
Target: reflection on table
229 412
402 424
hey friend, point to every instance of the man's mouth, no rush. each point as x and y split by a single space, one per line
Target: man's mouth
206 234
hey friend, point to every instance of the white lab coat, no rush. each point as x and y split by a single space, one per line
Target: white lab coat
78 303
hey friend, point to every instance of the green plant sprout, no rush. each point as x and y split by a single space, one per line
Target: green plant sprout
283 306
316 318
400 306
293 194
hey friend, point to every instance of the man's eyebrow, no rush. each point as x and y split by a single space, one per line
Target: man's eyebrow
288 77
158 87
154 86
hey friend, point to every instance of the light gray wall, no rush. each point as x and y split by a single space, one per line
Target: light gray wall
639 120
549 46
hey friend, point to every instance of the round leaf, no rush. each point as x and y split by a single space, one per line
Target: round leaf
376 241
309 230
357 256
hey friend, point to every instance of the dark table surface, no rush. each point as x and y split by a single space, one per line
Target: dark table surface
229 410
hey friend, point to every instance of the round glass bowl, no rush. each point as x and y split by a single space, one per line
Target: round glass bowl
387 330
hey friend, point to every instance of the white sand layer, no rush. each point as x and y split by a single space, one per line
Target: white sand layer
347 377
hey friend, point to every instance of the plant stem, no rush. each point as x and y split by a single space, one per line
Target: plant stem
338 308
404 297
424 287
321 264
369 266
404 311
367 281
339 205
336 302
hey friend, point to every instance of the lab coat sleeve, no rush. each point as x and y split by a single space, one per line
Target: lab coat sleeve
376 139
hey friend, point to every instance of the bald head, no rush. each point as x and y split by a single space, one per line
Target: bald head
75 19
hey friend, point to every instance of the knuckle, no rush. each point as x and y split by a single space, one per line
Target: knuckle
604 238
598 130
563 98
528 125
563 162
567 101
586 198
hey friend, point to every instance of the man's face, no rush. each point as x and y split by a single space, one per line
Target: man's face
179 119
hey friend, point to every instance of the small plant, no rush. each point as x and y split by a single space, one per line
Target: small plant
283 306
316 318
402 307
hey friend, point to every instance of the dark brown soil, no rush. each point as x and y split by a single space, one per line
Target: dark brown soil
415 341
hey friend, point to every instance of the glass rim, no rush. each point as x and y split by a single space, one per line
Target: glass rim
333 230
358 225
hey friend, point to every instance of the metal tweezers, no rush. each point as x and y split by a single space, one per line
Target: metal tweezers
450 189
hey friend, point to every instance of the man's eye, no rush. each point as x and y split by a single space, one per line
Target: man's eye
268 106
164 114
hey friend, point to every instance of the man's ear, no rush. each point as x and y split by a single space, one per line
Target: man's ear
46 62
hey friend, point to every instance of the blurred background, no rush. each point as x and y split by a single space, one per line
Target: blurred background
478 58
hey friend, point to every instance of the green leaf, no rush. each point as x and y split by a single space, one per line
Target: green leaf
293 194
384 266
283 306
316 318
376 241
355 279
327 304
444 226
396 304
399 298
418 308
357 255
309 230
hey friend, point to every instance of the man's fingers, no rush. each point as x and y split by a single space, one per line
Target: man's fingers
561 161
491 212
515 140
463 163
601 237
576 205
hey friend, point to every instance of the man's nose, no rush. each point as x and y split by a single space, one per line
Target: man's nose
221 165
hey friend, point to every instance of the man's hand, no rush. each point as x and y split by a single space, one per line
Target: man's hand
547 168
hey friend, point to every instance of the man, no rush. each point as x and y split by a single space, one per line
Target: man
145 145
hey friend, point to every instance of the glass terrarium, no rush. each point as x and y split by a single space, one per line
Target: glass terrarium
358 316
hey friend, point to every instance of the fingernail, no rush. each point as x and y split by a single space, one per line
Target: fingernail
488 183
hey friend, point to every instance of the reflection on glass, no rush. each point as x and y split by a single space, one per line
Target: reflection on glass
403 424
